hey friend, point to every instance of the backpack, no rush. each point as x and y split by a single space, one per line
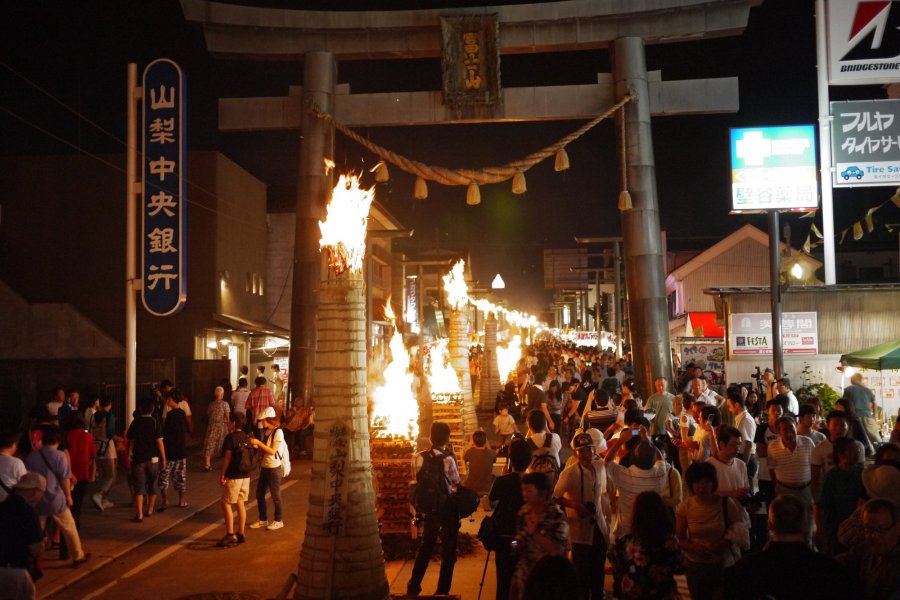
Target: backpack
431 490
284 454
543 460
251 458
98 430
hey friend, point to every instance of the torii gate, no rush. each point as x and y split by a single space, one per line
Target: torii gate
323 39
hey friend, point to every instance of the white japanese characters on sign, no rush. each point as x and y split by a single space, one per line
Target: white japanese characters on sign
751 333
164 289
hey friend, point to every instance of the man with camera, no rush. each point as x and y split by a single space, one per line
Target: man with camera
579 490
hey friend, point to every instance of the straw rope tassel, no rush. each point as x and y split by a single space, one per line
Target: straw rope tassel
561 163
518 183
381 172
421 189
473 195
624 196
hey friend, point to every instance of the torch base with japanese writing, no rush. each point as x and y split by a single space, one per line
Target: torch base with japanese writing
341 555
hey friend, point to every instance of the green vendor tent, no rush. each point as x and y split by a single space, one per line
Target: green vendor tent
881 357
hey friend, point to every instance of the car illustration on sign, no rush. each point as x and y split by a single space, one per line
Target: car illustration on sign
852 171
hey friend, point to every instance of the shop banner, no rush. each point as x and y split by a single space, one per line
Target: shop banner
751 333
865 142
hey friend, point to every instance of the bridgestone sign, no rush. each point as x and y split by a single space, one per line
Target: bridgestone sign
863 42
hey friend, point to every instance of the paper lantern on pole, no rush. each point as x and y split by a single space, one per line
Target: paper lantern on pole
561 162
518 182
473 195
421 189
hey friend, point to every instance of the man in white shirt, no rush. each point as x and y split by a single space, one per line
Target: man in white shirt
789 460
579 490
822 459
701 392
731 470
647 473
784 388
537 437
745 424
11 467
660 404
806 424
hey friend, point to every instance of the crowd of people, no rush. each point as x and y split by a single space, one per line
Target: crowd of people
68 453
749 494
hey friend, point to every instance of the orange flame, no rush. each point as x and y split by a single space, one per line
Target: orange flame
344 228
395 410
455 286
442 378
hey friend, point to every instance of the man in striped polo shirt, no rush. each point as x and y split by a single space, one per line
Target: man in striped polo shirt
789 460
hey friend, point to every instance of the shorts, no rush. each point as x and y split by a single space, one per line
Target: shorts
145 476
236 490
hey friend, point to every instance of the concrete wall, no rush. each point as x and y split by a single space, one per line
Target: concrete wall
279 259
62 240
241 238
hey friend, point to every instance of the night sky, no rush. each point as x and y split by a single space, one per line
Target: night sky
63 58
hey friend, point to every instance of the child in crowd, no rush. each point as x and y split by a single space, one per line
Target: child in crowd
504 427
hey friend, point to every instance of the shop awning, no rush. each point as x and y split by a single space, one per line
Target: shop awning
880 357
703 324
250 326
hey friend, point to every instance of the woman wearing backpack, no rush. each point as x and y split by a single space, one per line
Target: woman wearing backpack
272 446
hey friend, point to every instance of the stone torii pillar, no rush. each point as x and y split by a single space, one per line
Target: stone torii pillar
644 271
313 187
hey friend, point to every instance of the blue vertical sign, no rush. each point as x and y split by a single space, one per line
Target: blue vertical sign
163 201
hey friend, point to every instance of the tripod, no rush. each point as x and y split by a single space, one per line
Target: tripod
484 574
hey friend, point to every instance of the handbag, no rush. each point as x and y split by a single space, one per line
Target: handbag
463 501
488 535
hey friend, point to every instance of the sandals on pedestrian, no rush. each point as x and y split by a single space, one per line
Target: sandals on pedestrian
227 541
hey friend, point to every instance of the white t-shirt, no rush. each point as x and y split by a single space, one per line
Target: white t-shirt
505 424
182 404
11 471
629 483
555 443
747 426
270 461
701 454
816 436
583 485
239 400
731 476
791 467
823 456
793 406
